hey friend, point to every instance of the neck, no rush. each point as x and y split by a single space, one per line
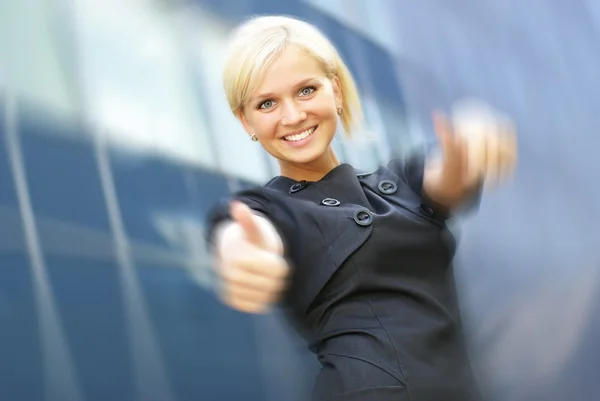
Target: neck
311 171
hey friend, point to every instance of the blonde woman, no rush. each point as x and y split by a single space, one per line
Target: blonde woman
362 263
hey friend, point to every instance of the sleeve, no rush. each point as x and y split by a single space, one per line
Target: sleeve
256 200
411 169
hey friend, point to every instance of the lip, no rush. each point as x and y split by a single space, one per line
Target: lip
298 131
303 141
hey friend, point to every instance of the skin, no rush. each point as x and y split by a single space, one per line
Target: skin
294 95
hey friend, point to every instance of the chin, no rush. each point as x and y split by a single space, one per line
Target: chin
306 156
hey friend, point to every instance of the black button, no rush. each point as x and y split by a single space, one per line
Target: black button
297 186
388 187
330 202
428 210
363 218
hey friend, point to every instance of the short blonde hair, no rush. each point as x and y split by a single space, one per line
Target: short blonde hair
260 40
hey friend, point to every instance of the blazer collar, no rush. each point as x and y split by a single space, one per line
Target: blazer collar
341 183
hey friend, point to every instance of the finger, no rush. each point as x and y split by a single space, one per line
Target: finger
465 157
245 306
244 216
476 167
234 275
252 295
493 158
510 142
455 152
257 261
507 156
247 299
444 133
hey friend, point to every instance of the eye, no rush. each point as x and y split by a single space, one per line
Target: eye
267 104
306 91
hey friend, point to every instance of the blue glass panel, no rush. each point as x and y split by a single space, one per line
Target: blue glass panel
20 357
88 298
7 190
209 349
268 7
62 172
233 10
154 192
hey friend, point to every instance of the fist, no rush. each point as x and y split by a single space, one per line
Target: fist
491 141
478 145
250 261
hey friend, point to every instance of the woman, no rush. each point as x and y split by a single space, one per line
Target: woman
362 262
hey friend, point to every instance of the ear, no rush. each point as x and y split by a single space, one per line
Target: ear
337 90
245 123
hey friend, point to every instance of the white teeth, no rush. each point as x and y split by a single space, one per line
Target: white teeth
301 136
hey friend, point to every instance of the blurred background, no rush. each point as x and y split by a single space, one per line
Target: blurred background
115 139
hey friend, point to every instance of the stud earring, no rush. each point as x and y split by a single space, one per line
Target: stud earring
254 138
340 110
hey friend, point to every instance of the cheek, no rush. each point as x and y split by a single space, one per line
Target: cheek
325 109
330 116
265 124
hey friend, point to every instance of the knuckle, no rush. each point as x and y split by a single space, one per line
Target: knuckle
273 289
244 306
247 261
232 276
280 268
239 300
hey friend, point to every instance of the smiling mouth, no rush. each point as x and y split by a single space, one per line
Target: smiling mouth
300 136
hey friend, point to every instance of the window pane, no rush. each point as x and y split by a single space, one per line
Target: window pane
29 54
139 85
371 18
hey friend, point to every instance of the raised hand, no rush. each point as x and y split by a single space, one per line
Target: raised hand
250 261
474 148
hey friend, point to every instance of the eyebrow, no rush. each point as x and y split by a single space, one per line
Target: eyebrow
263 96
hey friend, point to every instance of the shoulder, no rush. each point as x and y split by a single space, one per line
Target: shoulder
406 171
262 200
410 168
254 197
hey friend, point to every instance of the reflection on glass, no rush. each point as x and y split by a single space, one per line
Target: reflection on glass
29 55
137 81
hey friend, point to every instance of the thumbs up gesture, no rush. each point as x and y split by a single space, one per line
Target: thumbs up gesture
250 261
477 146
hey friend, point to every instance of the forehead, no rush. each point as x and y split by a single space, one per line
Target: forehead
291 67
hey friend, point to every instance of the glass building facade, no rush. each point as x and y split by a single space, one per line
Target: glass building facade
116 139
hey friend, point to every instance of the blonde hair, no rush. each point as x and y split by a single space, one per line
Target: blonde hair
260 40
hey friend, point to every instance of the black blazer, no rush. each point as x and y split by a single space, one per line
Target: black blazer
371 287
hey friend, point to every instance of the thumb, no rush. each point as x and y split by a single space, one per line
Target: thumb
443 130
243 215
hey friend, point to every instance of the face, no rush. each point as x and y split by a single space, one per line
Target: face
293 112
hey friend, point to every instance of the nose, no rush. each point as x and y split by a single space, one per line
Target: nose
292 115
